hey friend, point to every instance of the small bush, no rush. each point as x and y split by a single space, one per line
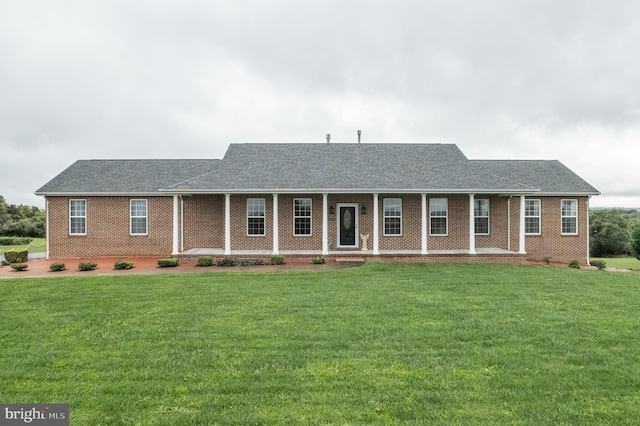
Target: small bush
277 259
205 261
600 264
19 266
574 264
87 266
57 266
547 260
4 262
318 260
123 264
227 261
16 256
168 263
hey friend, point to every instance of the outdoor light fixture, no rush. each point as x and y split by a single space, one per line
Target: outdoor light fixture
364 209
332 210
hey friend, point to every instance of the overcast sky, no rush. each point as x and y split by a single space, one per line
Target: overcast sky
183 79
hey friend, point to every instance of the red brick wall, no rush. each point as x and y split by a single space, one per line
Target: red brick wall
550 243
203 221
107 226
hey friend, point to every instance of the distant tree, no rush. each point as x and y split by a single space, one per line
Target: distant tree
635 239
5 217
21 221
609 234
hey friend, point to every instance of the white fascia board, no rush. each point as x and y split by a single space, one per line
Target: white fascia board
353 191
103 194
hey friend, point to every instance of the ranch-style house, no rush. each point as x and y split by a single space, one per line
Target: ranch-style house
395 202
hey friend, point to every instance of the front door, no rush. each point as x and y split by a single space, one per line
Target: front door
347 225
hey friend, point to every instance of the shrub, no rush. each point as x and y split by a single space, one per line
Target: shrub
574 264
19 266
16 256
87 266
123 264
227 261
277 259
168 263
318 260
57 266
600 264
205 261
547 260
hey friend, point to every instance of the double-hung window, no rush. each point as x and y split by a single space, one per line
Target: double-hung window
78 217
438 214
138 217
302 216
392 216
531 216
481 216
569 216
255 216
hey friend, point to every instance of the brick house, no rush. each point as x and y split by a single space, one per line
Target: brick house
415 202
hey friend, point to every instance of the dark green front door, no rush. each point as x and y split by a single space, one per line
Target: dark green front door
347 226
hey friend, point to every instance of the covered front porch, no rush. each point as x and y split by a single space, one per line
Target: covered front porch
370 240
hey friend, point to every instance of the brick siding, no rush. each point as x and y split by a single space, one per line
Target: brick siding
202 219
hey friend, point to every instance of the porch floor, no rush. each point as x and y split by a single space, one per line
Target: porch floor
220 252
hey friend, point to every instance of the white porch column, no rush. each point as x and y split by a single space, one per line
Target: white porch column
176 226
376 248
424 224
325 225
275 224
472 225
521 239
227 224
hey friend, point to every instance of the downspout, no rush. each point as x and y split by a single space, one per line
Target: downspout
588 233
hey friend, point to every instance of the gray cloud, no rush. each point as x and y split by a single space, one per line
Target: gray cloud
502 79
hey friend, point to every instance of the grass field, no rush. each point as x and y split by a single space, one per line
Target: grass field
38 245
621 262
382 344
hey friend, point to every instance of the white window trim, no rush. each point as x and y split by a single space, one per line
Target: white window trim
538 216
446 216
263 217
385 216
310 217
562 216
488 216
84 217
146 217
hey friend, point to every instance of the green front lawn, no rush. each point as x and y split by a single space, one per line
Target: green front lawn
620 262
38 245
382 344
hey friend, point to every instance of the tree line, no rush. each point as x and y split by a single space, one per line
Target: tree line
21 221
614 232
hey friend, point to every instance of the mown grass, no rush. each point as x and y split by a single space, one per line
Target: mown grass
620 262
38 245
381 344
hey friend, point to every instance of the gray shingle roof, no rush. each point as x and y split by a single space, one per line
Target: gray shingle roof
320 168
550 176
124 176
